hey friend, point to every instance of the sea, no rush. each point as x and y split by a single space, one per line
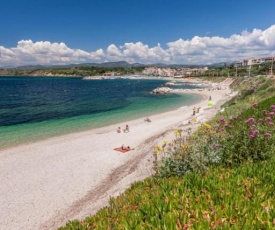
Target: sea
37 108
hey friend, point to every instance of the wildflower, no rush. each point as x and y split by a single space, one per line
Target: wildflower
253 126
207 125
159 148
272 107
268 119
184 147
230 137
177 132
194 119
270 123
250 120
271 114
253 133
255 105
222 120
216 145
260 121
164 144
264 112
267 135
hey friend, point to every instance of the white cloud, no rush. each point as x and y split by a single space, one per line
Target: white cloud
198 50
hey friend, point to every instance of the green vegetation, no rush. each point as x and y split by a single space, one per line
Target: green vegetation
220 177
240 71
262 69
81 71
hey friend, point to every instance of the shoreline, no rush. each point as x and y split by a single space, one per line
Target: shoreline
33 133
47 183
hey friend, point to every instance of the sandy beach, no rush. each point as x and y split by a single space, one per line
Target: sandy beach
47 183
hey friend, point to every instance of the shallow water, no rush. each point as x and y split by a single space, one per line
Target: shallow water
36 108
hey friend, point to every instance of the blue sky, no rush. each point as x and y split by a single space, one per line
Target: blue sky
145 31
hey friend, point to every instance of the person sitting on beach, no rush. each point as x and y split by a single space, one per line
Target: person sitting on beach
126 130
147 119
118 130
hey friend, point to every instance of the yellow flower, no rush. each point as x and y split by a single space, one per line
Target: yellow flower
207 125
165 142
184 147
194 119
177 132
159 148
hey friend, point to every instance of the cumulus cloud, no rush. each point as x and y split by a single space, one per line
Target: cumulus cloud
198 50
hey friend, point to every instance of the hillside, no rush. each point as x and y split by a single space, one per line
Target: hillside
220 177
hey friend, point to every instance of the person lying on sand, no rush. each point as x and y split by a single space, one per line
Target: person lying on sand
126 148
147 119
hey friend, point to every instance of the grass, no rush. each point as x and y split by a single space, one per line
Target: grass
221 178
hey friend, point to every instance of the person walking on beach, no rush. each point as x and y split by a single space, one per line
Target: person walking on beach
198 109
118 130
194 111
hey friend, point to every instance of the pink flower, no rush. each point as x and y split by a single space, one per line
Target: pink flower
253 133
255 105
222 120
230 137
260 121
272 108
250 120
271 114
268 119
270 123
267 135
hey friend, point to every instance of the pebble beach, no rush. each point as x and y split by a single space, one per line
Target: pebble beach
47 183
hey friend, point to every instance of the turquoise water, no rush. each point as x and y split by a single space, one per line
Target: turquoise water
34 108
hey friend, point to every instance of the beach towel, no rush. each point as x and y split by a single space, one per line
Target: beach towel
122 150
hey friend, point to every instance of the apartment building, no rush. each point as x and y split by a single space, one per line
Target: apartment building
253 61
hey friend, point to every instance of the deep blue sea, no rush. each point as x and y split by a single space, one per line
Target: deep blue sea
36 108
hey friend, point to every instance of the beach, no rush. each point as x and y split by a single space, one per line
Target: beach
47 183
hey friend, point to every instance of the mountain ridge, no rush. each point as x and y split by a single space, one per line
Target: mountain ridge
123 64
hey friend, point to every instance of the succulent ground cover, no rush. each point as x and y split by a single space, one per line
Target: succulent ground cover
220 177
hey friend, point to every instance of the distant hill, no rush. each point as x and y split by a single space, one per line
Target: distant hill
123 64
